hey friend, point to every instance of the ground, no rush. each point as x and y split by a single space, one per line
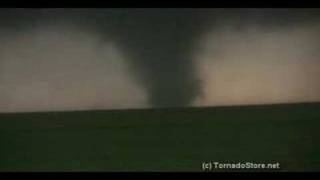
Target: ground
177 139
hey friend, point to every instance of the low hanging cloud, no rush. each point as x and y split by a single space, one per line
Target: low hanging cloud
254 64
63 67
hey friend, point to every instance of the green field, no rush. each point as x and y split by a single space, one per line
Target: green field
179 139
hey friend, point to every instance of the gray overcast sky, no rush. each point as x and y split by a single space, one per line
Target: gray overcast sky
67 59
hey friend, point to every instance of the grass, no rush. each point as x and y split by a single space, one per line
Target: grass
177 139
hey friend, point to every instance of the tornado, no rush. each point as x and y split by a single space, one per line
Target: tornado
161 44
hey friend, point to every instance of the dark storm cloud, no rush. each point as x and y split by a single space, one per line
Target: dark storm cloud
161 44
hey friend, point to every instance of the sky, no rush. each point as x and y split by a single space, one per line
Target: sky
83 59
